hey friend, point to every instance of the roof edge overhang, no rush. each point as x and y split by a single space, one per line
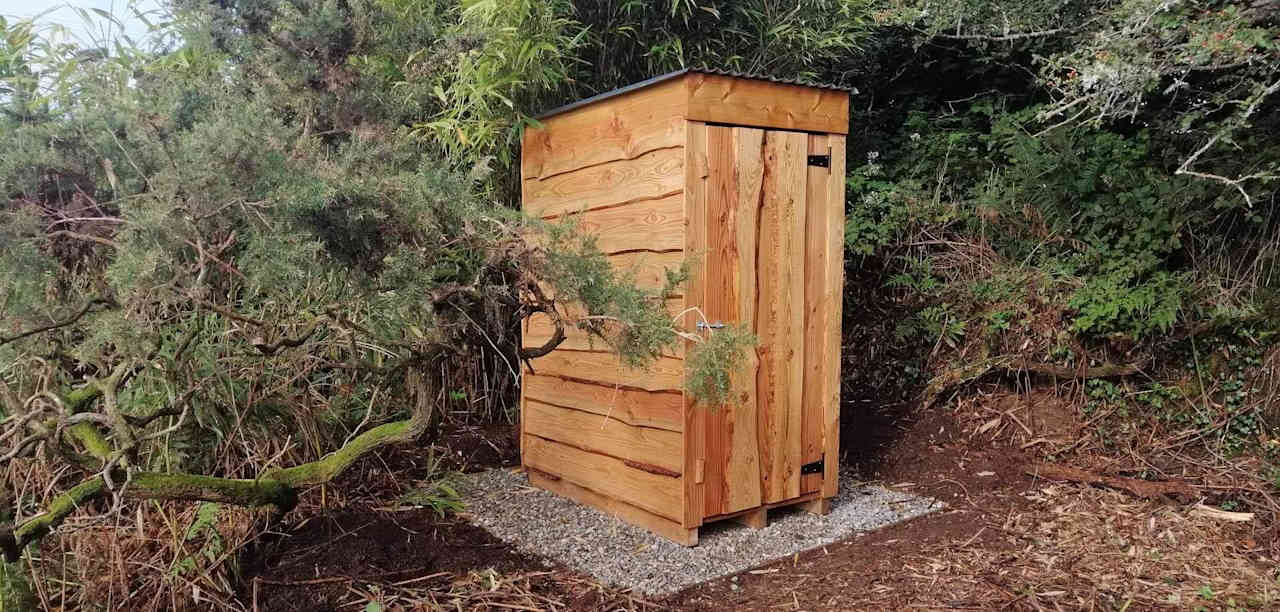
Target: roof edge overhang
613 93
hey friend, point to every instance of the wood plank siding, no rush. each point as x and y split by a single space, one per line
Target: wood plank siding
608 434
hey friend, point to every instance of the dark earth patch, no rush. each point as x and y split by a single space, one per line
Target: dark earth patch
312 566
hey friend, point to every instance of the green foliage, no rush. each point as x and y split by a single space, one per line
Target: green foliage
437 492
202 533
1087 209
632 40
263 234
1113 303
505 56
629 319
712 367
15 591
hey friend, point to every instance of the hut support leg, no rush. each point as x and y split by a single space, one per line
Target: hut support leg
688 538
820 506
755 519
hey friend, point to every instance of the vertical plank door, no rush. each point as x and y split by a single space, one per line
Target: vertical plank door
769 233
780 271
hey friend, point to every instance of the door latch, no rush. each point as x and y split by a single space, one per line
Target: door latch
822 161
705 325
813 468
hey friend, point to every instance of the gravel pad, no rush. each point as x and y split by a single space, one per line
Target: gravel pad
620 555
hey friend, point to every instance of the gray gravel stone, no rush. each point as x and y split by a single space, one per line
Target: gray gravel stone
620 555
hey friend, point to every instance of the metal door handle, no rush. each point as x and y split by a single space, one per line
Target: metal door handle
705 325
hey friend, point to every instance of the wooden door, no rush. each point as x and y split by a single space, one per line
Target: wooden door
769 223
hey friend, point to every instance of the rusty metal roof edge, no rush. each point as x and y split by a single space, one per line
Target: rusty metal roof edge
675 73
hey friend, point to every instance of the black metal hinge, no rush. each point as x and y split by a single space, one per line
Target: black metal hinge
812 468
822 161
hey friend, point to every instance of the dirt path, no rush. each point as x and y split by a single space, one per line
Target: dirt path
1006 541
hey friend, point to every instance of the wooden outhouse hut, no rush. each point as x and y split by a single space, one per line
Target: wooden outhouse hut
744 177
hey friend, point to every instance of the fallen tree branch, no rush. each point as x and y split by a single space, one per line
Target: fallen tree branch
275 487
278 488
1008 363
149 485
1106 370
1146 489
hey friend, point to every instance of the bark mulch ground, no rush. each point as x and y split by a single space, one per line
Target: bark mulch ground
1006 541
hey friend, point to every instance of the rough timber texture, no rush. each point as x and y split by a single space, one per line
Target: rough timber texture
732 193
622 128
710 172
608 476
631 406
655 226
653 175
603 433
695 416
648 446
779 315
724 99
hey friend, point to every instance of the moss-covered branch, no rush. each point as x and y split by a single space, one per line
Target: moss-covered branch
277 488
973 370
86 433
194 487
150 485
330 466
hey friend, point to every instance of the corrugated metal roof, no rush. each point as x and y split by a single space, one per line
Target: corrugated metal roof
671 75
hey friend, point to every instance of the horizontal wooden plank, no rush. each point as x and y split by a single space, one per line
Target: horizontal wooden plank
665 374
664 527
652 225
538 330
649 269
624 127
639 408
605 435
606 476
723 99
651 176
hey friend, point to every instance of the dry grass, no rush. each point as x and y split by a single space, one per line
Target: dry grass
149 558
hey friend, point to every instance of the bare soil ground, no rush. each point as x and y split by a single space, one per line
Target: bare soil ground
1008 540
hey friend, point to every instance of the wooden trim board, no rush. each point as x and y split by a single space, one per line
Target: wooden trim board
716 98
835 316
695 219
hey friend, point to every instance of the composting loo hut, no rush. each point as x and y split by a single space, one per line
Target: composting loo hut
743 177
